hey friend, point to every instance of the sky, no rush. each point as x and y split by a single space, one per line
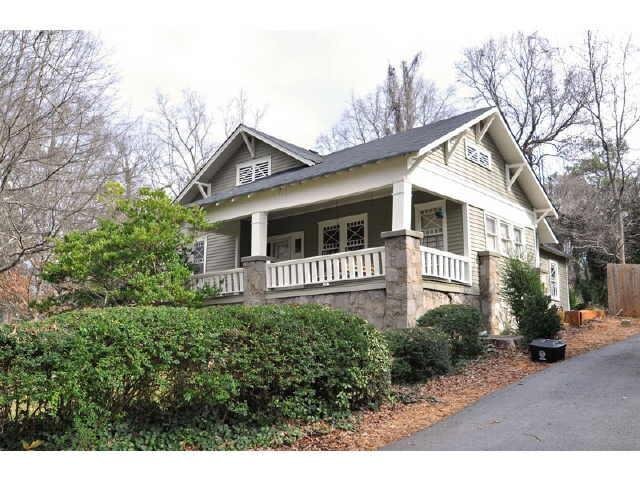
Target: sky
302 60
303 77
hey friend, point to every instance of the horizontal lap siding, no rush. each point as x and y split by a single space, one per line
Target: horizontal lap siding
477 240
221 247
455 229
493 179
225 178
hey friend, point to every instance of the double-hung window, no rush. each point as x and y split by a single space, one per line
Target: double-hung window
518 242
248 172
503 237
199 255
491 229
343 234
477 154
554 280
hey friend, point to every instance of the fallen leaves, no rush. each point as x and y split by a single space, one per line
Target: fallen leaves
418 407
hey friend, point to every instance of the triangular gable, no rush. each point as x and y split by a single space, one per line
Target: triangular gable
243 136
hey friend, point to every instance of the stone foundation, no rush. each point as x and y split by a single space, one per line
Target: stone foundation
368 304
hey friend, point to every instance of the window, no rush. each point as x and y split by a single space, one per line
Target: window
251 171
198 255
477 154
554 281
431 220
518 241
343 234
505 238
492 233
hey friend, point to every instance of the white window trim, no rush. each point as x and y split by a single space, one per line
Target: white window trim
557 282
499 239
292 238
343 232
253 164
479 148
204 238
419 207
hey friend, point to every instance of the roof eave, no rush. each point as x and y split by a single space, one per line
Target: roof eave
238 131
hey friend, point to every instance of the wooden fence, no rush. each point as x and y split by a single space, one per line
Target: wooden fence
623 284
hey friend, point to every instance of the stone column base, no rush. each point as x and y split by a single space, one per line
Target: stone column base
490 289
255 279
403 278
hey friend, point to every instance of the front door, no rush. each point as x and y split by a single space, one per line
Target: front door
286 247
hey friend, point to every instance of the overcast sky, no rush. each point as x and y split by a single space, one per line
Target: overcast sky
301 59
303 77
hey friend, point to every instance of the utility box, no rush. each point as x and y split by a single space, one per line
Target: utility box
547 350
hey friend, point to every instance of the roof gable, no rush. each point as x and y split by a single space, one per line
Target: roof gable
237 140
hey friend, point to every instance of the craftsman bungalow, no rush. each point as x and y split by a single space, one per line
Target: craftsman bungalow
386 229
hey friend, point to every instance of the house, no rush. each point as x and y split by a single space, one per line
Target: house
387 229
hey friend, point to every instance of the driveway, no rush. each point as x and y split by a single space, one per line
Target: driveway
590 402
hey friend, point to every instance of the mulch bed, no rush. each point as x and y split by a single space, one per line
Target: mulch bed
421 406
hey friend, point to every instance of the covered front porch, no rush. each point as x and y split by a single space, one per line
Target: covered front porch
338 245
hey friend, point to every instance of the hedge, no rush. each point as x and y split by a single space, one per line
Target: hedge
418 353
78 374
462 323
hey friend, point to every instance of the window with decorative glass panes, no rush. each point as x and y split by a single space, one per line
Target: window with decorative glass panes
330 238
343 234
198 255
430 220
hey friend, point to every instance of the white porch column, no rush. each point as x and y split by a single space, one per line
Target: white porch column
401 218
259 234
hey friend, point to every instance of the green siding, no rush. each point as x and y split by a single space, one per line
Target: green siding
563 269
225 178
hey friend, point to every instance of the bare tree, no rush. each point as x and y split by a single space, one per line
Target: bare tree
54 130
184 131
405 100
613 115
537 90
239 110
185 135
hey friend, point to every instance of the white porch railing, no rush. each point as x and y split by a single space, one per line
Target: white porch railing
445 265
355 265
226 281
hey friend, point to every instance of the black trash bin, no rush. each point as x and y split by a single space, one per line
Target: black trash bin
547 350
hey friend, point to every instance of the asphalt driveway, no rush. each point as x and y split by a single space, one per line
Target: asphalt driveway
590 402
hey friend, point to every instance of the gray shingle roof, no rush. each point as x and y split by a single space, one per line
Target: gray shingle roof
386 147
552 249
302 152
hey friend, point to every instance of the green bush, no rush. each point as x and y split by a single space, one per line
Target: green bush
418 353
462 323
535 315
76 378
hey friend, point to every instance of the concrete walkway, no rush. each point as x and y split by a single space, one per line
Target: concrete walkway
590 402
